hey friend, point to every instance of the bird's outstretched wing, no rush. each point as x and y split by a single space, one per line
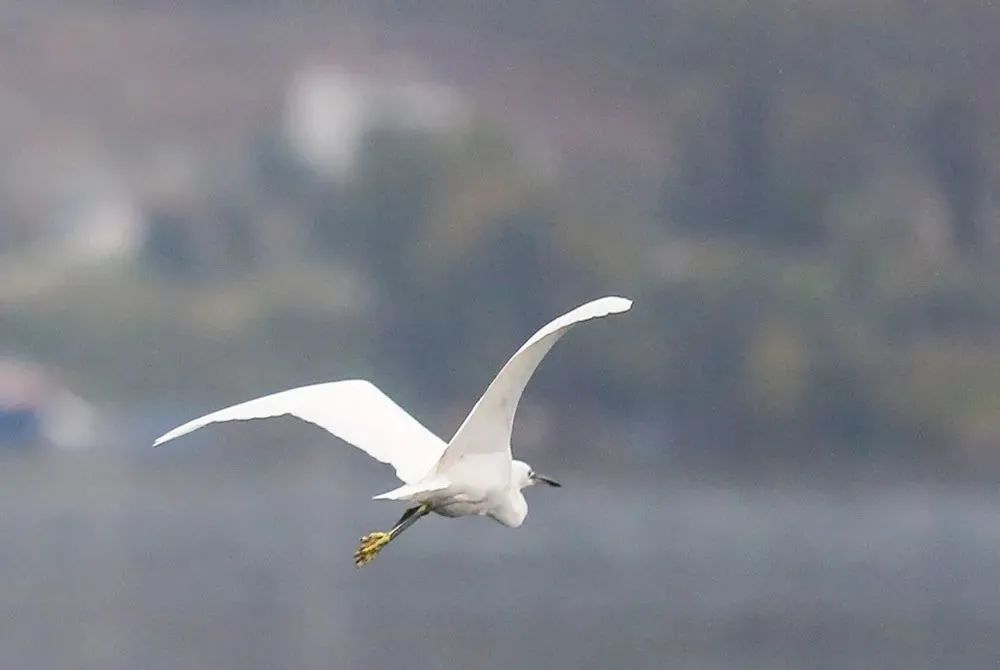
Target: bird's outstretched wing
485 433
354 410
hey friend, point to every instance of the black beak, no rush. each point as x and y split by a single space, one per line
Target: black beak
547 480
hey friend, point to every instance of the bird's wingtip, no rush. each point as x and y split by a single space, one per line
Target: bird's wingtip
618 303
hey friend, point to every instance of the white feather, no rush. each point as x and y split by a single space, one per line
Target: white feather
354 410
473 470
480 449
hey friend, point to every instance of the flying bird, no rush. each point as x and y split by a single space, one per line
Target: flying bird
473 474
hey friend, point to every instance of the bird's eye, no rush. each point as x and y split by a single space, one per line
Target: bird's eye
531 474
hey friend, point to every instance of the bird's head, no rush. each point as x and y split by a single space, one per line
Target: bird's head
523 476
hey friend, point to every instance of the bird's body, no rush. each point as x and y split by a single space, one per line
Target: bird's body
459 497
471 475
458 501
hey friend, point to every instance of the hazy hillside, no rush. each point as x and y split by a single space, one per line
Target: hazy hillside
801 198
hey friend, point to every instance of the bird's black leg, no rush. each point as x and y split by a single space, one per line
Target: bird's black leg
406 515
410 517
373 543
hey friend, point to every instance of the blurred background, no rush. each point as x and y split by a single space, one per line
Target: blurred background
786 455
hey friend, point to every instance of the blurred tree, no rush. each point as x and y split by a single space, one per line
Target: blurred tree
380 212
950 138
168 248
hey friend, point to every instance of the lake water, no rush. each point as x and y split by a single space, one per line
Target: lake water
213 557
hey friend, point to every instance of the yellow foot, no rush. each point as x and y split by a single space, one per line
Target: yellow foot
371 544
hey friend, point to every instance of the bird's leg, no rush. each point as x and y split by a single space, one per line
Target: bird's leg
372 543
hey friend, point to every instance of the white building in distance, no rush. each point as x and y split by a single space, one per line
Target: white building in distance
329 110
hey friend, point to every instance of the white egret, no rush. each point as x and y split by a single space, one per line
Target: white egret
473 474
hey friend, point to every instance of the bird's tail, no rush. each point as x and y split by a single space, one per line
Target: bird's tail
415 492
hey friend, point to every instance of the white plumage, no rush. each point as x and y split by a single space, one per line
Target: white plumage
472 474
354 410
